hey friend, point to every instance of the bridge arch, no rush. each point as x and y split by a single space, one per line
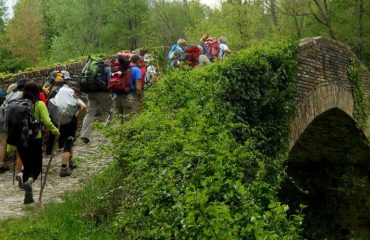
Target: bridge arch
323 98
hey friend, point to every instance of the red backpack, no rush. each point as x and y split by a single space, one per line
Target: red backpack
212 48
120 83
192 55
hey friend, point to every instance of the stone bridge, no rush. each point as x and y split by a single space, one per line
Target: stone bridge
329 157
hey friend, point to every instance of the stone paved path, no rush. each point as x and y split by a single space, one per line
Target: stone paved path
89 162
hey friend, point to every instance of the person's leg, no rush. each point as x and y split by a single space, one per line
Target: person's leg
3 164
19 162
92 108
117 103
128 105
19 176
69 130
32 164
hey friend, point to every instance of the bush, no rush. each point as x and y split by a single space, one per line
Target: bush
204 158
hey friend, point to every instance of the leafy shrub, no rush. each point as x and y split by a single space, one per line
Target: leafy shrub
204 158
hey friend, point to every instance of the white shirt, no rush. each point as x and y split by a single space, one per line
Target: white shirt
223 49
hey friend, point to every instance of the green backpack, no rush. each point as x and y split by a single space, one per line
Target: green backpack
93 76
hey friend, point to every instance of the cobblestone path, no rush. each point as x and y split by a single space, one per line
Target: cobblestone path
89 162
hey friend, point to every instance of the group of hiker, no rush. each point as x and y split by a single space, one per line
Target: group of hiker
207 51
37 116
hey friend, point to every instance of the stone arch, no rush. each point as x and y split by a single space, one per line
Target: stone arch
323 98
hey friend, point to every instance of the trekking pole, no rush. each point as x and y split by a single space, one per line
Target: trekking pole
15 162
43 184
110 112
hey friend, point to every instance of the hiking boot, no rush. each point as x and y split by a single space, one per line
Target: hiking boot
85 140
19 178
28 196
4 166
65 172
72 164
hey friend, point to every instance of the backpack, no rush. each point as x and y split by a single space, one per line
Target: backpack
93 76
21 122
212 48
52 84
192 55
120 83
173 49
5 106
63 107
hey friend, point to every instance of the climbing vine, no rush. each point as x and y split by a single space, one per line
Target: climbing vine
358 92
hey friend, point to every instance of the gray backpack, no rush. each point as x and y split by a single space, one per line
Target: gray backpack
10 98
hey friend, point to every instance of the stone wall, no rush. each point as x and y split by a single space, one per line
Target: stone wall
41 75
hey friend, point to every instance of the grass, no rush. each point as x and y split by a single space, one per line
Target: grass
78 217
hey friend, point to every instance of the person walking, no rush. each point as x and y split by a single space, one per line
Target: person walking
31 155
66 108
97 102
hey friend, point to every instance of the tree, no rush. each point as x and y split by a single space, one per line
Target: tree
25 34
320 10
2 16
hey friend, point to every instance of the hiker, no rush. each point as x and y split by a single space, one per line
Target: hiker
121 84
151 75
98 101
143 52
136 82
52 84
211 48
66 108
203 59
175 55
31 155
202 42
14 91
224 49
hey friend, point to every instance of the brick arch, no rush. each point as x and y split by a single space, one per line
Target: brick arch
323 98
323 83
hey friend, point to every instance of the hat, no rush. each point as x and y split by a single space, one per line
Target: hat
148 58
66 75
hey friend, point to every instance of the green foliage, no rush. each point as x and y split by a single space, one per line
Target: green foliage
262 90
360 111
192 164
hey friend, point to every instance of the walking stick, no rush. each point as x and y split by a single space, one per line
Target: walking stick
43 184
15 162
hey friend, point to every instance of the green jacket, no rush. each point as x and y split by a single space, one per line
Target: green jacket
42 115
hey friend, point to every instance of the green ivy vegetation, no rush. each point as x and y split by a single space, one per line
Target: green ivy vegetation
202 160
358 93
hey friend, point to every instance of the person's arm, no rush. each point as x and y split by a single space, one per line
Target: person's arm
138 84
82 109
41 111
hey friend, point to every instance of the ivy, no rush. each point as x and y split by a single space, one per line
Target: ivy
358 93
204 157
